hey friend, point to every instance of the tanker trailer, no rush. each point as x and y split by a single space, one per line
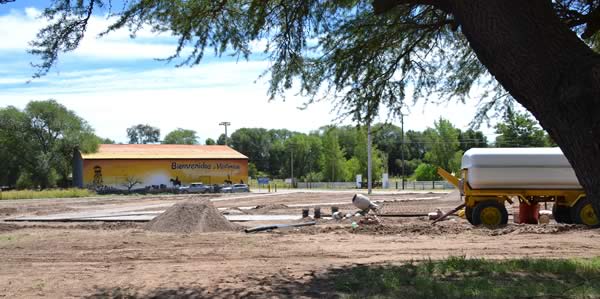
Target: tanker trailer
490 177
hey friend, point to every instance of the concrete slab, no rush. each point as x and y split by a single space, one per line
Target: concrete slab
140 217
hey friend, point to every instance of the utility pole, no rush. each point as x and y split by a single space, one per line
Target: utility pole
369 158
225 123
292 166
402 147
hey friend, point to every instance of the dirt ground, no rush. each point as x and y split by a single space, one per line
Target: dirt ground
122 260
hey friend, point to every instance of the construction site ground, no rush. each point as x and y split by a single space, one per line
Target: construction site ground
120 259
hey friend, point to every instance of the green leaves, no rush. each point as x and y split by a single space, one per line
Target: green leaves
39 142
520 130
443 146
143 134
181 136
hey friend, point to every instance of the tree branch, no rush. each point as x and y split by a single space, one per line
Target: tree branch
383 6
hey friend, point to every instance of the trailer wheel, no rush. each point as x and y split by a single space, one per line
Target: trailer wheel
562 214
490 213
469 214
583 212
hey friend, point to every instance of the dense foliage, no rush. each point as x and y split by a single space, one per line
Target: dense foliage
38 144
143 134
339 153
181 136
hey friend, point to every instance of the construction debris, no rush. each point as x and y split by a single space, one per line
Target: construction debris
277 226
363 203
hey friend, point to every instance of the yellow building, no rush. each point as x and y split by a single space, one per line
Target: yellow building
164 165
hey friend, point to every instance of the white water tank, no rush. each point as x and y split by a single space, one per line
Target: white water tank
519 168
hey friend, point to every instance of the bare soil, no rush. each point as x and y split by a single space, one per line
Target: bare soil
123 260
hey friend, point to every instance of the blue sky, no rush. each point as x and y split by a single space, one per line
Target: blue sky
115 82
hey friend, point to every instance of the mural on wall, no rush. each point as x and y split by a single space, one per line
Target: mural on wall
98 176
167 173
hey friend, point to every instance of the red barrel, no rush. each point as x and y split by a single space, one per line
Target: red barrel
529 213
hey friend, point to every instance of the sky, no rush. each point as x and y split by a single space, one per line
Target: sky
115 82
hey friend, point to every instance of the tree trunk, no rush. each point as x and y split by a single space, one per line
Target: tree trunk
546 68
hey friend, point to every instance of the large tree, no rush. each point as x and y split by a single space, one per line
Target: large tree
520 130
15 148
181 136
38 143
333 164
143 134
443 147
254 143
367 53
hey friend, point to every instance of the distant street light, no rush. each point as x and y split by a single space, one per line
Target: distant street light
225 123
402 146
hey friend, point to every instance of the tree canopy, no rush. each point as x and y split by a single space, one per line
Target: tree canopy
143 134
362 53
181 136
39 143
520 130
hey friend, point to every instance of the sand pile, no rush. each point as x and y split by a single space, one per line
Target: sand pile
191 216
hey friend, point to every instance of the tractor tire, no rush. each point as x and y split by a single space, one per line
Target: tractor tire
583 213
490 213
469 214
562 214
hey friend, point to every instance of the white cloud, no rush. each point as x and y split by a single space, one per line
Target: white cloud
18 29
198 98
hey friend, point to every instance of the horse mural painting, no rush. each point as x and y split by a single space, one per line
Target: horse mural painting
176 182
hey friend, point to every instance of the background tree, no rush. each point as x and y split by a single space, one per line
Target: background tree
181 136
278 153
426 172
471 138
443 147
223 140
57 132
520 130
15 148
254 143
143 134
106 141
332 161
40 142
387 138
210 141
306 151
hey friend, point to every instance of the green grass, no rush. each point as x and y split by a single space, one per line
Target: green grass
458 277
51 193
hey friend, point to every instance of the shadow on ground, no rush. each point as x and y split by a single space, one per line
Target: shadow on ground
455 277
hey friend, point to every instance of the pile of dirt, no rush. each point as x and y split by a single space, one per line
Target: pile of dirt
191 216
531 229
408 228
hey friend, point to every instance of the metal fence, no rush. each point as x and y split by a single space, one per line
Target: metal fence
394 185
